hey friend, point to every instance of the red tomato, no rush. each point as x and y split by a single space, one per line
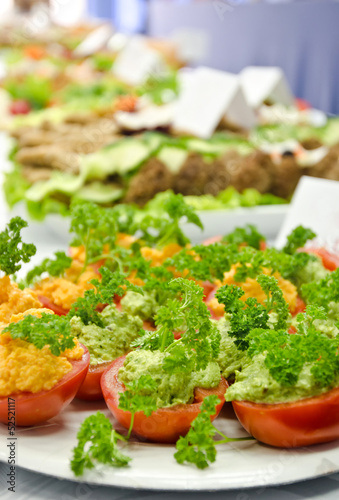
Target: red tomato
90 389
302 104
217 239
34 409
210 241
20 107
289 425
208 288
330 260
60 311
208 299
300 306
165 425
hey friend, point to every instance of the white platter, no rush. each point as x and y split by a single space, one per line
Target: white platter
47 449
268 219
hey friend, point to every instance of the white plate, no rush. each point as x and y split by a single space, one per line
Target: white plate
268 219
47 449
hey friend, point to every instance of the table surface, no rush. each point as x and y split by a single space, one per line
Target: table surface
31 485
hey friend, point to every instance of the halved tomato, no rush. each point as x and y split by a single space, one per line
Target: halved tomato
34 409
217 239
208 288
330 260
165 425
90 390
60 311
289 425
300 306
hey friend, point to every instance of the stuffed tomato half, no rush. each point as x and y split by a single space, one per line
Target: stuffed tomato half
164 425
44 368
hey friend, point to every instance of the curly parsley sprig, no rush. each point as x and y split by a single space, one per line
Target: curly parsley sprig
200 339
13 250
49 329
111 284
199 446
286 355
248 235
53 267
97 443
297 239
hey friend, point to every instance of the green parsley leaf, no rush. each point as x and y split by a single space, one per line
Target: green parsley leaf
50 329
323 292
12 249
97 443
198 446
189 315
53 267
275 300
248 235
286 355
111 284
139 396
205 262
297 239
95 228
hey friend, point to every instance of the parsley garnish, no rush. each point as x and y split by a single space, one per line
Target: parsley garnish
200 339
53 267
97 443
164 227
198 446
205 263
248 235
286 355
139 396
95 228
111 284
12 250
50 329
322 292
297 239
245 315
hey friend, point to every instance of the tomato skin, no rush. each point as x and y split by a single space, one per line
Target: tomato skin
290 425
213 239
33 409
208 288
165 425
217 239
330 260
20 107
302 104
60 311
90 389
300 306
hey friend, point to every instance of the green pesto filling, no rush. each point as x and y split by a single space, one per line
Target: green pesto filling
172 388
110 342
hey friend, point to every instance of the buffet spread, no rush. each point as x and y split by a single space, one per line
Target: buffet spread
123 349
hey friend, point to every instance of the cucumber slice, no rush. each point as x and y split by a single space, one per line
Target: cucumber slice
118 158
100 193
173 157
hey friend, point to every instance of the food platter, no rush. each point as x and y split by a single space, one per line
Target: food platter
47 449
